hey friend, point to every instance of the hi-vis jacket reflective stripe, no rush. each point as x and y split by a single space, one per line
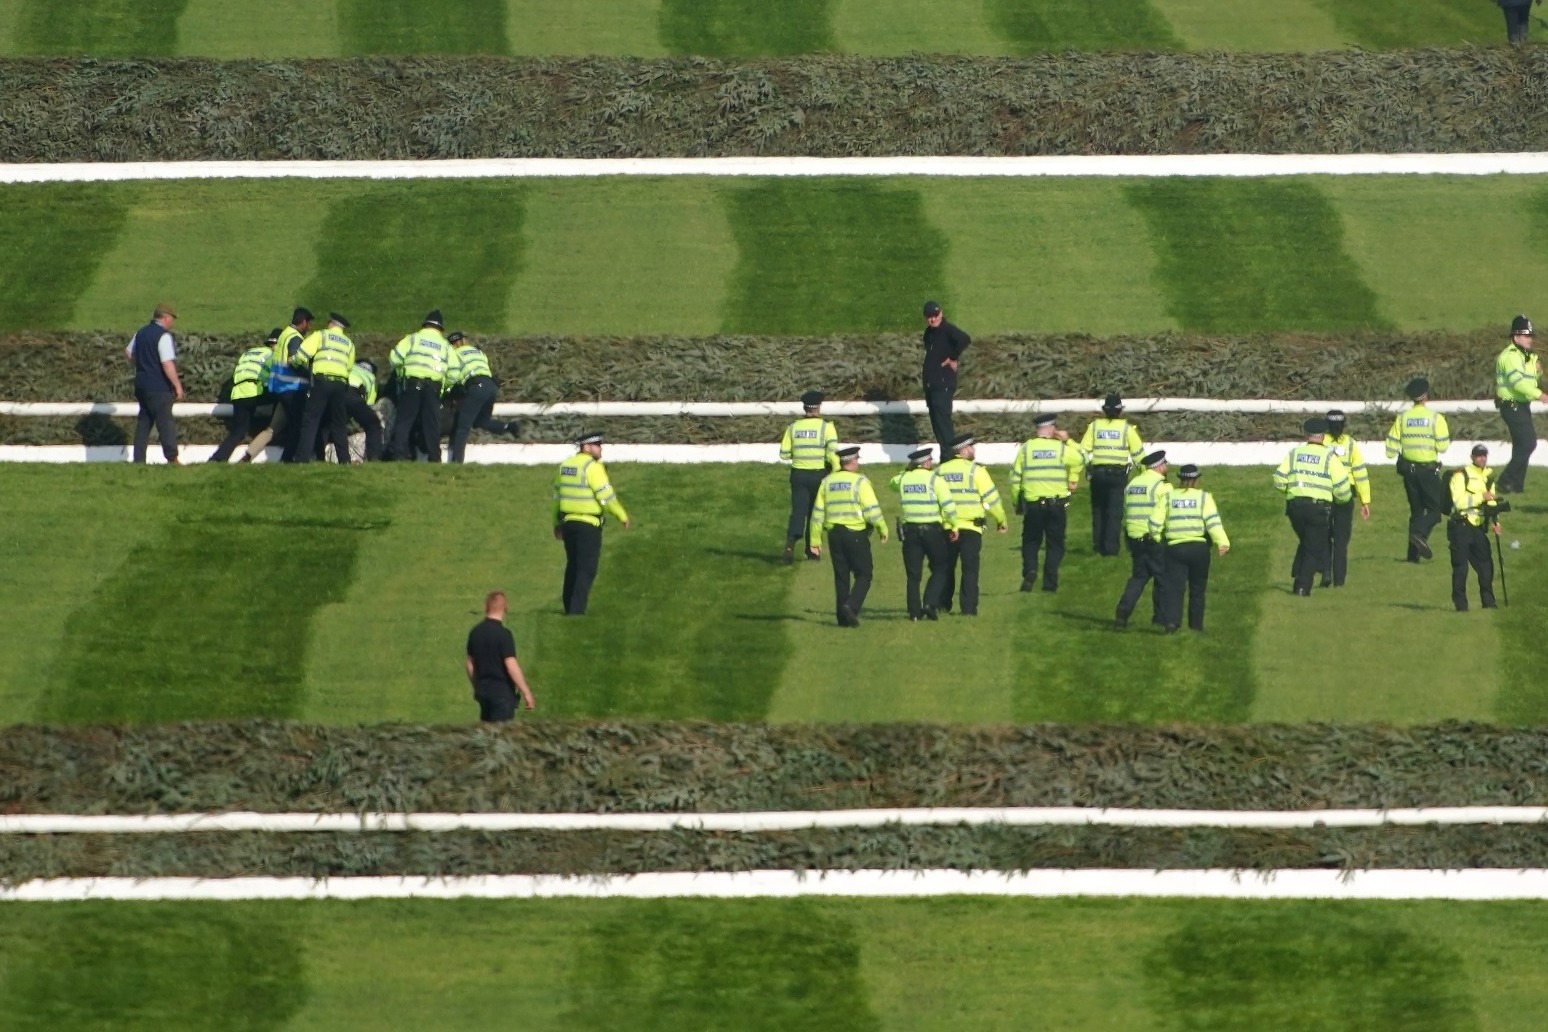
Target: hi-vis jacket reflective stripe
328 352
926 497
1468 486
1516 375
1313 471
846 499
582 492
364 379
1140 498
1046 467
810 443
470 362
1348 449
973 491
283 376
251 377
1112 442
1187 514
425 355
1418 435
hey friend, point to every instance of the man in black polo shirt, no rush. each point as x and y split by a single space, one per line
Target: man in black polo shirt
492 668
943 347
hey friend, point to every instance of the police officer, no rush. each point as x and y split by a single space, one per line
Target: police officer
810 445
1185 522
288 383
1046 472
1112 445
1140 498
927 529
479 389
1516 385
977 501
582 495
1472 487
943 347
1311 478
329 354
422 361
846 507
249 385
1418 438
1344 445
360 405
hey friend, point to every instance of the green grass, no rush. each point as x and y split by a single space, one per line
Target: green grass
702 255
1077 965
1283 25
273 29
345 596
745 28
1041 25
412 27
1422 23
106 28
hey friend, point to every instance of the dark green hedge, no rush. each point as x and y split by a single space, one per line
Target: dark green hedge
66 367
1480 99
576 766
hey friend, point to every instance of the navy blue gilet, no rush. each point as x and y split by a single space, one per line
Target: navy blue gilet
148 374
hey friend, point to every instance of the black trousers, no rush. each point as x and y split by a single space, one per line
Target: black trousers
1523 439
1422 485
1146 557
289 407
582 556
1517 22
1107 486
325 414
1470 547
921 542
1186 568
238 426
366 418
1310 519
1340 530
804 484
938 401
850 551
966 552
477 410
496 705
155 407
1044 519
419 402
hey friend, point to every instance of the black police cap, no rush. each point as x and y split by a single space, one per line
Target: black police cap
1154 459
850 452
1189 472
336 317
1112 403
1417 388
961 441
590 437
273 337
1314 426
1335 417
1045 419
1521 326
1479 449
455 335
921 455
434 319
811 399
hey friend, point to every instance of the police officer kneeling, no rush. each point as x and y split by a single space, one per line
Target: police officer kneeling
927 530
846 507
1312 479
1472 506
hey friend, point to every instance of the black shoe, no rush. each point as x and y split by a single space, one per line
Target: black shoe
514 429
1327 582
1028 583
1171 630
930 614
1421 546
1489 605
847 617
789 555
1303 592
813 557
1048 589
1120 623
946 608
973 613
1461 609
915 619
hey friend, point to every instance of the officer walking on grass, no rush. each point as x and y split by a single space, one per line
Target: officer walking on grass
1185 522
1517 383
330 355
422 361
1144 493
1418 438
582 495
1312 479
471 376
1112 445
1046 472
1344 445
1472 518
846 507
810 445
249 387
977 501
926 530
943 347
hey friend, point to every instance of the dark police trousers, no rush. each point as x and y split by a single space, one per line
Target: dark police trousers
287 421
922 541
1146 557
1470 547
1523 441
1107 487
496 702
1043 518
1309 518
1340 530
967 551
155 407
1518 20
325 411
803 495
356 408
938 401
1186 567
850 551
582 556
419 401
238 425
476 410
1422 485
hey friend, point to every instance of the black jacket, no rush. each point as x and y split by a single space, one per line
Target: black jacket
940 343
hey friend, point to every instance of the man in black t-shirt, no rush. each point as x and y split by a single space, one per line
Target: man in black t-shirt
492 668
943 347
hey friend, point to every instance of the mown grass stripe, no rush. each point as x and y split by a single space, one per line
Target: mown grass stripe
615 27
1031 26
1264 254
914 26
412 27
57 238
1390 24
1284 25
272 29
101 28
746 28
832 256
1522 694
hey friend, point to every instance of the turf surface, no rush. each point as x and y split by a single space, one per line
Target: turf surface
412 27
703 255
916 965
344 596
